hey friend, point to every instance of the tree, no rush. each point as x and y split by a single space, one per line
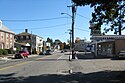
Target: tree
109 12
50 41
77 40
61 46
57 42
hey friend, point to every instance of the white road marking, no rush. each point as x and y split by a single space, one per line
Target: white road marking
60 57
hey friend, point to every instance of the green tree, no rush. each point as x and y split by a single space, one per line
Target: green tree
50 41
57 42
109 12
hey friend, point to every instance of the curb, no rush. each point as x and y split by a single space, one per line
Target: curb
10 57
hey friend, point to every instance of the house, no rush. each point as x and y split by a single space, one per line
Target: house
6 37
29 41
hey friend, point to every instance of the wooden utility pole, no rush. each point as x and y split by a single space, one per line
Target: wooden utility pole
73 15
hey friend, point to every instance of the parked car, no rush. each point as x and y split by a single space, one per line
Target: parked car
62 51
121 54
42 53
47 52
22 54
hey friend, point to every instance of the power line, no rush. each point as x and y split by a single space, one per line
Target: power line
26 20
47 27
83 16
54 35
82 29
51 26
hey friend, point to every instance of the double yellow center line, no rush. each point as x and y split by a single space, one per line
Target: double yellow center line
19 64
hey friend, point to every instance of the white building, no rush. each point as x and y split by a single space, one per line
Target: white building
81 45
39 43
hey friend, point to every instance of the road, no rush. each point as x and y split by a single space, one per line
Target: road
57 68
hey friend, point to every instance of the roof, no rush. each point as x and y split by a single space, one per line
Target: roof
23 44
5 29
24 33
110 36
102 41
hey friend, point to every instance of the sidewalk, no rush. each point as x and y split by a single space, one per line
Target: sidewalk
9 57
85 56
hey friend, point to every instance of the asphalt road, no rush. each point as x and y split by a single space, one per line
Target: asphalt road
57 68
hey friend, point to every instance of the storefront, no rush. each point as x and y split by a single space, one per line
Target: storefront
108 48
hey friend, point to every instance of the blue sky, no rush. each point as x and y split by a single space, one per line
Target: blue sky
45 9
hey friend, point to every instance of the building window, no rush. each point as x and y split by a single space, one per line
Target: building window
27 37
11 45
10 36
21 37
24 37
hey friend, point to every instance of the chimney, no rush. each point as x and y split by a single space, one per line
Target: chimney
26 30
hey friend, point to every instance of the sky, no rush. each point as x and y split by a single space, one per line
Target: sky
43 18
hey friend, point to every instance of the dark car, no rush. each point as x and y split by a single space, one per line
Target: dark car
62 51
47 52
22 54
42 53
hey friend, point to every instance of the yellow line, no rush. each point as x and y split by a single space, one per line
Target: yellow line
19 64
14 65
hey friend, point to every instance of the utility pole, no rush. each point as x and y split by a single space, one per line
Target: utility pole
70 38
73 15
70 33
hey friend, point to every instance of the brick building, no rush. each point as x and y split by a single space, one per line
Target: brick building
6 37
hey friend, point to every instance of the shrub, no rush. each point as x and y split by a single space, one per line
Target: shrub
9 51
1 52
5 52
17 49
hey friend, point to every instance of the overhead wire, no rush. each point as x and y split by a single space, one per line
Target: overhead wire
83 16
46 27
82 29
26 20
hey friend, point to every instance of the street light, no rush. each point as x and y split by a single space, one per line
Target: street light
72 31
67 14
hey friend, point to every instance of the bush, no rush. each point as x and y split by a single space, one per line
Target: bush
5 52
1 52
10 51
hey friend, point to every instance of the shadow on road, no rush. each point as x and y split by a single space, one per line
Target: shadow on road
96 77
